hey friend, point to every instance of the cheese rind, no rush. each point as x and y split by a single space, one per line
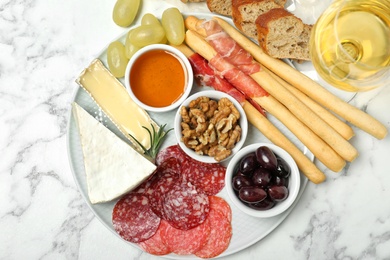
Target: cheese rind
112 166
110 94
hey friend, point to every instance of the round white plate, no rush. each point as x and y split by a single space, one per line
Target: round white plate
246 230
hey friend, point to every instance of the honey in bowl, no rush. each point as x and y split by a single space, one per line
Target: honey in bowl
158 78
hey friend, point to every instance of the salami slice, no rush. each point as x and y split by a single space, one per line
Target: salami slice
170 151
191 170
218 203
143 187
219 238
185 242
133 219
213 180
185 207
155 245
209 178
168 174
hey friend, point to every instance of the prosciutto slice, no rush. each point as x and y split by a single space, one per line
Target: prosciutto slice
229 49
207 76
237 77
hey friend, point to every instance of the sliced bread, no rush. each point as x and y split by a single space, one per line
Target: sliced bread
223 7
245 13
283 35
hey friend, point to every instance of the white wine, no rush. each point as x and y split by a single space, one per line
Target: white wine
350 44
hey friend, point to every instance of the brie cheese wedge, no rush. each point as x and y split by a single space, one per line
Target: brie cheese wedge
112 167
112 97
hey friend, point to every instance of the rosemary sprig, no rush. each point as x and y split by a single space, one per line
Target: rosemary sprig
156 139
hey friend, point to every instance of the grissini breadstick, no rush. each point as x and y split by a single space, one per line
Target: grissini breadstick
237 56
307 116
316 145
340 126
200 66
195 24
350 113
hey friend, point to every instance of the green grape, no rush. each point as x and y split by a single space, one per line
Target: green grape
130 48
124 12
164 40
149 19
116 59
147 34
173 24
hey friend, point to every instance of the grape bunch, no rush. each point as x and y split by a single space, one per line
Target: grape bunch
261 178
169 29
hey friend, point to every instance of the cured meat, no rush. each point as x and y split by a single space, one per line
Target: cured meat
207 240
205 75
229 49
185 207
170 151
210 178
155 245
212 181
231 60
167 174
143 187
133 219
185 242
219 204
237 77
220 235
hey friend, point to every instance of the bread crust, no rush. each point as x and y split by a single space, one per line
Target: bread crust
272 15
283 35
222 7
245 13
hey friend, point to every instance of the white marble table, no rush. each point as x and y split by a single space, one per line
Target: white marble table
44 45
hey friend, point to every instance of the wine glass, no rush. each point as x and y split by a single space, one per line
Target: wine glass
350 44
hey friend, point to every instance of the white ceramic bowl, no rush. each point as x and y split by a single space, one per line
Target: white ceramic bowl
293 185
216 95
186 65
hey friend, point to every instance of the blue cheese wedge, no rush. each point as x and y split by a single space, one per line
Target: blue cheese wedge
112 167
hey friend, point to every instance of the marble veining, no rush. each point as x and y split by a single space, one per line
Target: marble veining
44 45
